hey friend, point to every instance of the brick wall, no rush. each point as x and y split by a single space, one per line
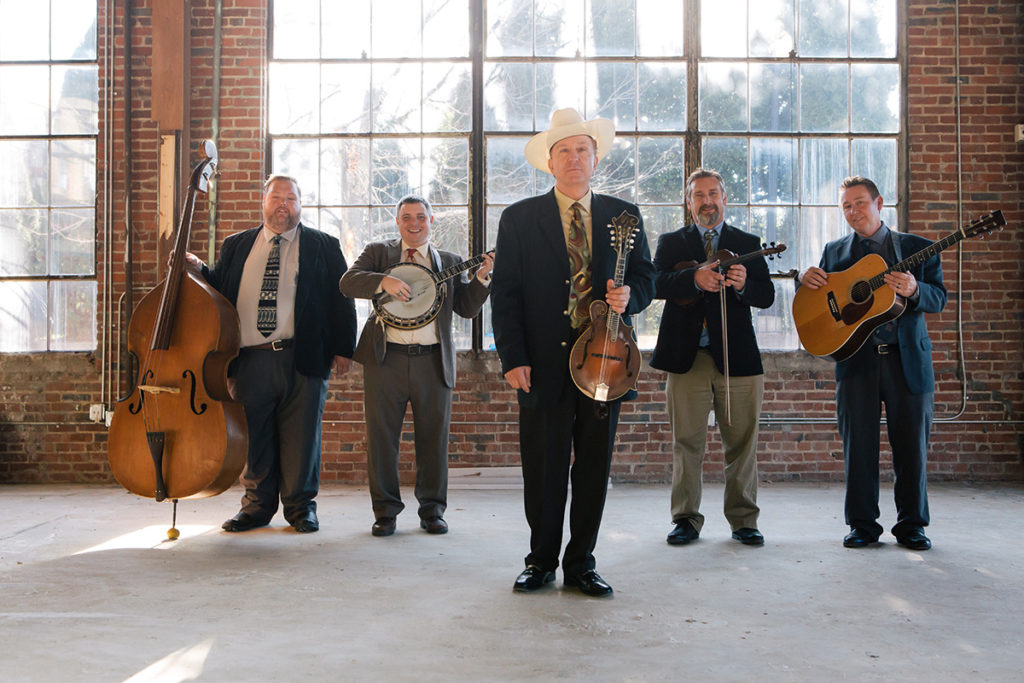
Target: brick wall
45 435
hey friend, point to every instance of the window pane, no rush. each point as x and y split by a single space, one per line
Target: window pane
451 230
396 90
345 98
344 30
824 98
73 316
773 170
447 97
728 156
659 27
75 107
508 96
617 172
509 29
446 171
350 226
23 234
611 30
393 19
662 100
771 28
876 159
558 28
395 170
873 28
29 112
613 96
660 162
445 28
73 29
773 97
778 225
23 30
22 315
293 102
344 171
558 86
72 241
818 227
661 220
823 28
723 28
296 28
509 176
824 164
876 98
24 173
723 97
298 158
73 177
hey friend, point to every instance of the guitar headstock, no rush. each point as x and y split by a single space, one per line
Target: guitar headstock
773 250
206 168
623 228
992 221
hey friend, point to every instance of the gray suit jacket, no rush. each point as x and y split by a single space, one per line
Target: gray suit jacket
465 296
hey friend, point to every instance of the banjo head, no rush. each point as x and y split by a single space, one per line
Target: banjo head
425 304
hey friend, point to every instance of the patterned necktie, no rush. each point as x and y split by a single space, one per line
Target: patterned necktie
579 267
709 244
266 309
410 255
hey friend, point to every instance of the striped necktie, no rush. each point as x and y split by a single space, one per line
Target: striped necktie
266 309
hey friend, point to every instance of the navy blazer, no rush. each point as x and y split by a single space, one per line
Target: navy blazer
680 329
530 285
911 331
325 320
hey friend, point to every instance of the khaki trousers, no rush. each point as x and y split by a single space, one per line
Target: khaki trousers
691 397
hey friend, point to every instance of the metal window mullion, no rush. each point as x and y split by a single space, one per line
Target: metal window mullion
477 171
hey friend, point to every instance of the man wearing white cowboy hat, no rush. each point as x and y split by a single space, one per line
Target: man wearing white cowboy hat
554 256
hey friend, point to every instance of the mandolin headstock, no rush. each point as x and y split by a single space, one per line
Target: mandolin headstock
623 229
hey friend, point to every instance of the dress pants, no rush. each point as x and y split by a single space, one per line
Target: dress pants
859 396
691 396
563 441
389 388
282 409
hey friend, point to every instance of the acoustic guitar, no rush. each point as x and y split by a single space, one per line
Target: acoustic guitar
834 321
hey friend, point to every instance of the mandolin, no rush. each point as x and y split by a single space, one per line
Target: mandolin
725 259
834 321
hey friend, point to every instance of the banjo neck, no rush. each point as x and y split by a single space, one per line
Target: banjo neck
451 271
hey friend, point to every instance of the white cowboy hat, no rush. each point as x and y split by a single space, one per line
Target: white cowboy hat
566 123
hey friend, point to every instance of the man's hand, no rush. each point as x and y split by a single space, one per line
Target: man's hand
342 365
903 284
736 277
484 271
708 279
396 288
617 298
813 277
519 378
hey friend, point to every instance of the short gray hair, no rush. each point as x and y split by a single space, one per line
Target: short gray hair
703 173
413 199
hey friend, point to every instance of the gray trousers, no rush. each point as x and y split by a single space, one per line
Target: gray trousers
389 388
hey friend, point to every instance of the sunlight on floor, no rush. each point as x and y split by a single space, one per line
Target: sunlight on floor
185 664
154 536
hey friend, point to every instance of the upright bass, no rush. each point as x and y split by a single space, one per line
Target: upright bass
178 434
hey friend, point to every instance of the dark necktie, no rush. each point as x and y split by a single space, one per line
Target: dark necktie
410 255
266 310
579 267
709 244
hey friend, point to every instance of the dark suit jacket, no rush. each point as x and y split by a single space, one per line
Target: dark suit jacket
464 295
325 321
911 332
530 287
680 329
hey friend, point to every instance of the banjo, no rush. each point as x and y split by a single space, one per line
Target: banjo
428 292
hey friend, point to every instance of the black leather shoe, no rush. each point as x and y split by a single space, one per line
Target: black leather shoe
748 536
434 525
385 526
307 524
590 583
243 521
683 533
915 540
858 538
532 578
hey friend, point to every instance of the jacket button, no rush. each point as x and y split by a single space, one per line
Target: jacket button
565 312
564 344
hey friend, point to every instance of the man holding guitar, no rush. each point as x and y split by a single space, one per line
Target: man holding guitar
712 360
411 362
893 367
554 256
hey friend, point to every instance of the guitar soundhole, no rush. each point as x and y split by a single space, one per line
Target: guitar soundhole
861 292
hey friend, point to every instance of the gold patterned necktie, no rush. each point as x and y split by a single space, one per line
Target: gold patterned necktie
266 309
709 244
579 267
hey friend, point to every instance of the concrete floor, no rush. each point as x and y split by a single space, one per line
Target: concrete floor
89 591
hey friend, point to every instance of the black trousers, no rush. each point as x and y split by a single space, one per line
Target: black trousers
879 379
563 441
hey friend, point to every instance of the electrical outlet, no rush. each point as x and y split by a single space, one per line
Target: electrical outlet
96 412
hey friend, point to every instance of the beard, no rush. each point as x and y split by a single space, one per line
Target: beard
709 216
281 221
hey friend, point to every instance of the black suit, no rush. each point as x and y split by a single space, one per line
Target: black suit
284 391
529 298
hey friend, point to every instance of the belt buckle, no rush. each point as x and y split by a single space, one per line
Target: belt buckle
277 345
414 349
882 349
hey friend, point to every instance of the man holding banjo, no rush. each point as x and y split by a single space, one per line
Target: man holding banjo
408 357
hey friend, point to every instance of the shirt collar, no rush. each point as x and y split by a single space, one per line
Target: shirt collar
717 229
288 236
423 250
565 202
880 235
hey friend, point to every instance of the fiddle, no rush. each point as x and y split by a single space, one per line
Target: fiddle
725 259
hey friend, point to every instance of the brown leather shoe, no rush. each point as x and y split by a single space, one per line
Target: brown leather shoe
384 526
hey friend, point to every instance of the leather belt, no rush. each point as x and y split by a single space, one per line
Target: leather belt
413 349
276 345
885 349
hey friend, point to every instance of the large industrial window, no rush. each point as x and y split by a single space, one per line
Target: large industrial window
372 99
48 127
